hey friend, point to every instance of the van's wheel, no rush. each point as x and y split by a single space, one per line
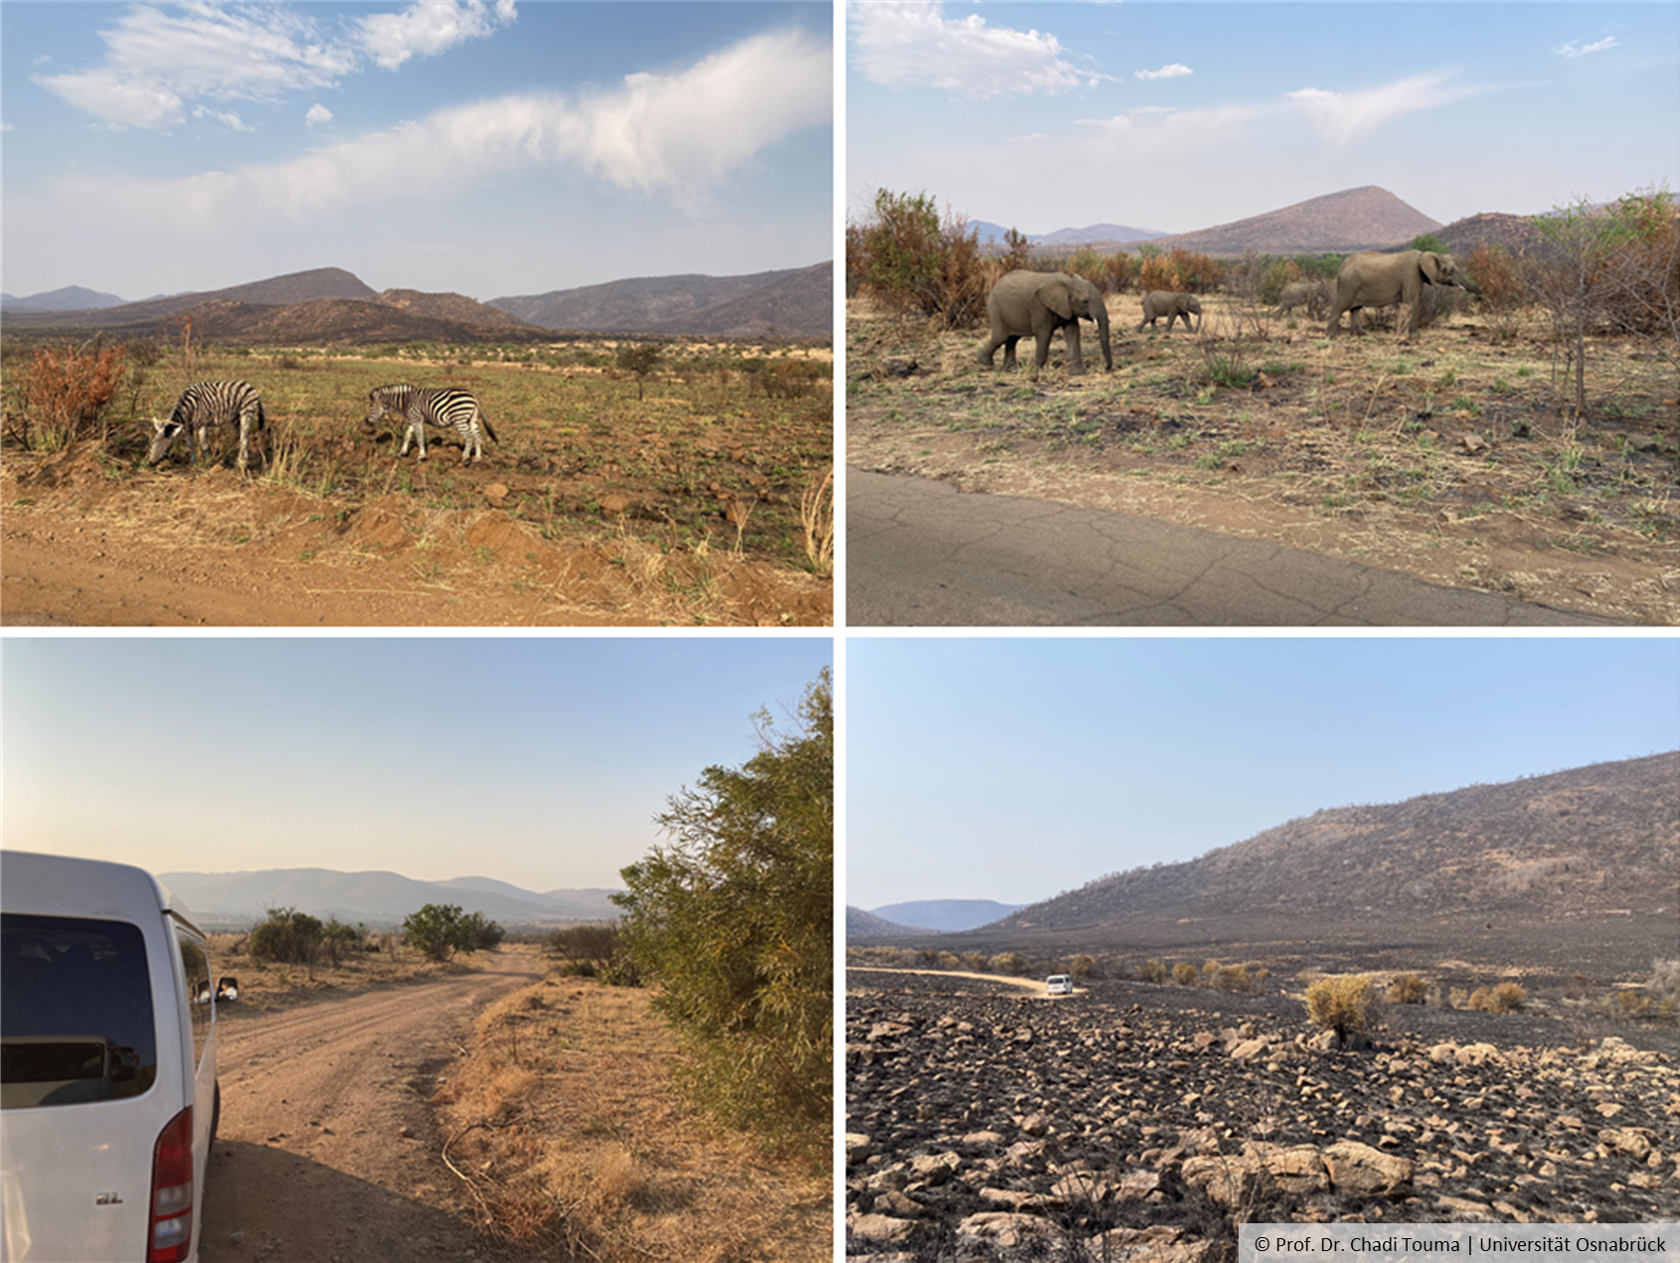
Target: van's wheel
216 1112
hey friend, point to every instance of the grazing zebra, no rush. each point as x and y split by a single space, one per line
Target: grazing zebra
203 405
444 407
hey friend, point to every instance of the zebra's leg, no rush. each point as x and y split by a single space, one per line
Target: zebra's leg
244 440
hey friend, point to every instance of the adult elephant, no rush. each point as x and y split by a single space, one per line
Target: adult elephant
1159 302
1372 279
1039 303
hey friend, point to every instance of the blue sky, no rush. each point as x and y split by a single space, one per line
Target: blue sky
487 147
1174 117
540 762
1014 769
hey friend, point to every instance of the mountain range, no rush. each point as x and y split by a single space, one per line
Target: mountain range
376 898
327 305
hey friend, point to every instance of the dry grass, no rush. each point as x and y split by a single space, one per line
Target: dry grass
561 1122
1454 457
266 988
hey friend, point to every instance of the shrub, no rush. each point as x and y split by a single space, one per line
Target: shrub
914 262
1008 963
1233 978
1184 974
1082 966
1348 1005
1154 971
1198 272
1159 272
339 939
1279 273
1506 997
1407 989
593 944
61 395
435 931
287 937
733 921
1428 241
1120 271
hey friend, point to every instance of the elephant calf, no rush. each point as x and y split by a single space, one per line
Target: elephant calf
1159 302
1039 303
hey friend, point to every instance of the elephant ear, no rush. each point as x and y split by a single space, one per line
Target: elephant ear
1429 263
1056 297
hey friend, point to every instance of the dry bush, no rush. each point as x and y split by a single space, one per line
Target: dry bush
62 395
1184 974
1506 997
1154 971
1121 273
913 261
1159 272
1348 1005
1008 963
1407 989
1198 272
1233 978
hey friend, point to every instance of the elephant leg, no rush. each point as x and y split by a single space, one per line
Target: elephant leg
1076 365
1009 350
1041 353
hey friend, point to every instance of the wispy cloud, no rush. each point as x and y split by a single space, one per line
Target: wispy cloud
318 113
1571 49
1343 117
430 27
157 61
676 135
1174 71
911 44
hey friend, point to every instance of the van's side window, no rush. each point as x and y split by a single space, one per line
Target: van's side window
196 965
76 1020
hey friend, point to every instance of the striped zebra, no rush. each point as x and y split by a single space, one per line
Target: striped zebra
444 406
202 406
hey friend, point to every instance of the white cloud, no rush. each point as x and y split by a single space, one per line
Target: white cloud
318 113
910 43
1570 50
227 119
157 61
1342 117
678 135
1174 71
429 27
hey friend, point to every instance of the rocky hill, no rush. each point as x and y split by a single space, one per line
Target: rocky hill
1366 218
1516 233
70 298
1576 870
791 303
862 925
947 914
1091 234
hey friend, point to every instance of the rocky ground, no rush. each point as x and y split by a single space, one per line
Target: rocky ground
1132 1121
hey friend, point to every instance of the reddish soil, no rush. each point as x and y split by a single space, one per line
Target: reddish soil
86 543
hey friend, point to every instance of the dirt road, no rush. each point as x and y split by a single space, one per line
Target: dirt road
327 1149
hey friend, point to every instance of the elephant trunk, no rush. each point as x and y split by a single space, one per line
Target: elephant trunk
1102 337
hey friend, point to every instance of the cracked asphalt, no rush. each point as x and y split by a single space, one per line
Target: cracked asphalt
921 554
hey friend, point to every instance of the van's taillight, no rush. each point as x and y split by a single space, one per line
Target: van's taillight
170 1230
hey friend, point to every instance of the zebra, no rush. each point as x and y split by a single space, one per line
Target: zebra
203 405
443 406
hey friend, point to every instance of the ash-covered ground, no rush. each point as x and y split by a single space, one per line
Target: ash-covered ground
1133 1121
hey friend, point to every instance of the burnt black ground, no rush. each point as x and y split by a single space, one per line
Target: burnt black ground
1126 1078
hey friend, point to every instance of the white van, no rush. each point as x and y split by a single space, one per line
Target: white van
108 1095
1058 984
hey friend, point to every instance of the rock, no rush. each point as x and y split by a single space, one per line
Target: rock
857 1148
895 1204
1228 1180
1358 1168
1248 1048
1006 1230
879 1227
1034 1124
615 504
496 492
982 1139
934 1168
886 1030
1633 1141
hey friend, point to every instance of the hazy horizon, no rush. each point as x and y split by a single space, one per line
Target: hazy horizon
538 762
1014 769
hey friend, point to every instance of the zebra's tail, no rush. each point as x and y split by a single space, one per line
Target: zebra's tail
262 422
485 422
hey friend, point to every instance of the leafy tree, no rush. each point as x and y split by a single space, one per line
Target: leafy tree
733 918
1429 241
913 261
480 934
438 930
639 359
287 936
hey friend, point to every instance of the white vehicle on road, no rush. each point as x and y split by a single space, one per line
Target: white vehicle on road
108 1096
1058 984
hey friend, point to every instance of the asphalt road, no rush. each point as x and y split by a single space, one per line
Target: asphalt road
921 554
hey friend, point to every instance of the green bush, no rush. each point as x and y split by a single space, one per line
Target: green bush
1348 1005
439 930
733 920
287 937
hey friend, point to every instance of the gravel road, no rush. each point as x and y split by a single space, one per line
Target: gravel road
327 1150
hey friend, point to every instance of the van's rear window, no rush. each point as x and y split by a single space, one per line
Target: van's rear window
76 1020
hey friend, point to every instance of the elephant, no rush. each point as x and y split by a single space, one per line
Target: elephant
1039 303
1159 302
1372 279
1299 294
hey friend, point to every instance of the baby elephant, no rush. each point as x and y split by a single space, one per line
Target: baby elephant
1158 303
